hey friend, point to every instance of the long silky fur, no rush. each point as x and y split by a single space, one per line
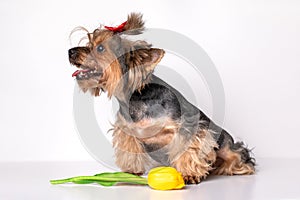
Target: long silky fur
134 25
136 64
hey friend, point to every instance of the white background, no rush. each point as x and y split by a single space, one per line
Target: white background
255 46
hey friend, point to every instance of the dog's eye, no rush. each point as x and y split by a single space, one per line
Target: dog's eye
100 48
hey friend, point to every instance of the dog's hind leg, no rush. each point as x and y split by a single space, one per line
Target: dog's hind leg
233 158
194 161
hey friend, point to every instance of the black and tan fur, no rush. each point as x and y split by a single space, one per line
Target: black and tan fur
155 124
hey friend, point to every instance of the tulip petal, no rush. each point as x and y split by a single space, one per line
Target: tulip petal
165 178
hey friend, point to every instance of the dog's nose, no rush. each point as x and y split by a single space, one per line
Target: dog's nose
73 53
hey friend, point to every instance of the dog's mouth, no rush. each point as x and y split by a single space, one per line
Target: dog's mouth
87 67
84 74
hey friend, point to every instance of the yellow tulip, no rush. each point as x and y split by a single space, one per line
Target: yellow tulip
165 178
160 178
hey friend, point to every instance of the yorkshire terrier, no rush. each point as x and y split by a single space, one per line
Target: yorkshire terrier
155 125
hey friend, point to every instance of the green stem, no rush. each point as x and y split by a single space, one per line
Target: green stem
60 181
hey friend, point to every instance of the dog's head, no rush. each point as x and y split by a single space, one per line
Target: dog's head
112 63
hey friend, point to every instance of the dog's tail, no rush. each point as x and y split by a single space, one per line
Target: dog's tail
233 158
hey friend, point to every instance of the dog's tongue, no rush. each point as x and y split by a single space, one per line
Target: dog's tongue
78 71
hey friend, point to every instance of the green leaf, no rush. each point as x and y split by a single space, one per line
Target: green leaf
106 183
105 179
83 181
122 177
117 175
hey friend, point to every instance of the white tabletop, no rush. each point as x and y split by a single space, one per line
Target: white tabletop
276 179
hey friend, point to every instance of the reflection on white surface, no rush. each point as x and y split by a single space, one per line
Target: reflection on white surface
276 179
226 188
167 195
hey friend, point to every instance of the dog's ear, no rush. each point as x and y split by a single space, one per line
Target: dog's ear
145 59
134 24
141 63
154 57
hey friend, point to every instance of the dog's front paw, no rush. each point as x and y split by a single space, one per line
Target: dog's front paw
191 179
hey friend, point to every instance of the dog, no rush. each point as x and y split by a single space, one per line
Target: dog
155 124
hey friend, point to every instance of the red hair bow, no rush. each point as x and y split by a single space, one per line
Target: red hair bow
116 28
